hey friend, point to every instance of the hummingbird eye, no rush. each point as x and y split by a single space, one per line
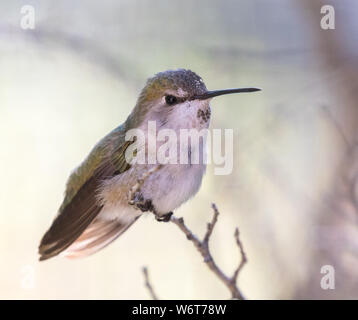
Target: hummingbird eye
170 100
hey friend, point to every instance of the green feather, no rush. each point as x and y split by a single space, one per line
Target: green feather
108 151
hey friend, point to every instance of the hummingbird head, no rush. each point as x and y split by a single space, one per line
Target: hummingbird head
177 98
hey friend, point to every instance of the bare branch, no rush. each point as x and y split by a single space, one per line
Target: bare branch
203 248
211 225
148 284
242 253
201 245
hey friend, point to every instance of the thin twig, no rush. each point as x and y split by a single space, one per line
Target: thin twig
242 253
203 248
148 284
201 245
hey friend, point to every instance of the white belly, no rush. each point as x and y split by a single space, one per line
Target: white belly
173 185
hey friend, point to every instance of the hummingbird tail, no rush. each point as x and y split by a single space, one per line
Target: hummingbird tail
99 234
77 229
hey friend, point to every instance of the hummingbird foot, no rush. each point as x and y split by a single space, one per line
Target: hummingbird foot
142 204
164 218
146 205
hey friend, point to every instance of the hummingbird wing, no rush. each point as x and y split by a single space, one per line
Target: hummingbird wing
81 206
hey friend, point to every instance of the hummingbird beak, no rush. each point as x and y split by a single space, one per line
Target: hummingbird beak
215 93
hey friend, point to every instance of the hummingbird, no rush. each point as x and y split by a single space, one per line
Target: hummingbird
96 210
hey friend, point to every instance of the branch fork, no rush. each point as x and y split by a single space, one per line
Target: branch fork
201 245
204 250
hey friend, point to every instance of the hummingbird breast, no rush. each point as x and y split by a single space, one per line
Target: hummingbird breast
173 185
175 182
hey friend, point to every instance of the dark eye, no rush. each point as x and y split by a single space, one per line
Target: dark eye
170 100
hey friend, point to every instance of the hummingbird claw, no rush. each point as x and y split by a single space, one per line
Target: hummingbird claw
164 218
142 204
146 206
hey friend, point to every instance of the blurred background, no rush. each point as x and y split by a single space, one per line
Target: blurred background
294 189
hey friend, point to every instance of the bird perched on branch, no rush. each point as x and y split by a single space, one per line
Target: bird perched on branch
96 209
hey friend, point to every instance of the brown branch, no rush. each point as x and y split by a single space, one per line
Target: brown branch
148 284
201 245
204 250
242 253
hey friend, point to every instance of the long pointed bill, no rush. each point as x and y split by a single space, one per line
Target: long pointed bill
215 93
